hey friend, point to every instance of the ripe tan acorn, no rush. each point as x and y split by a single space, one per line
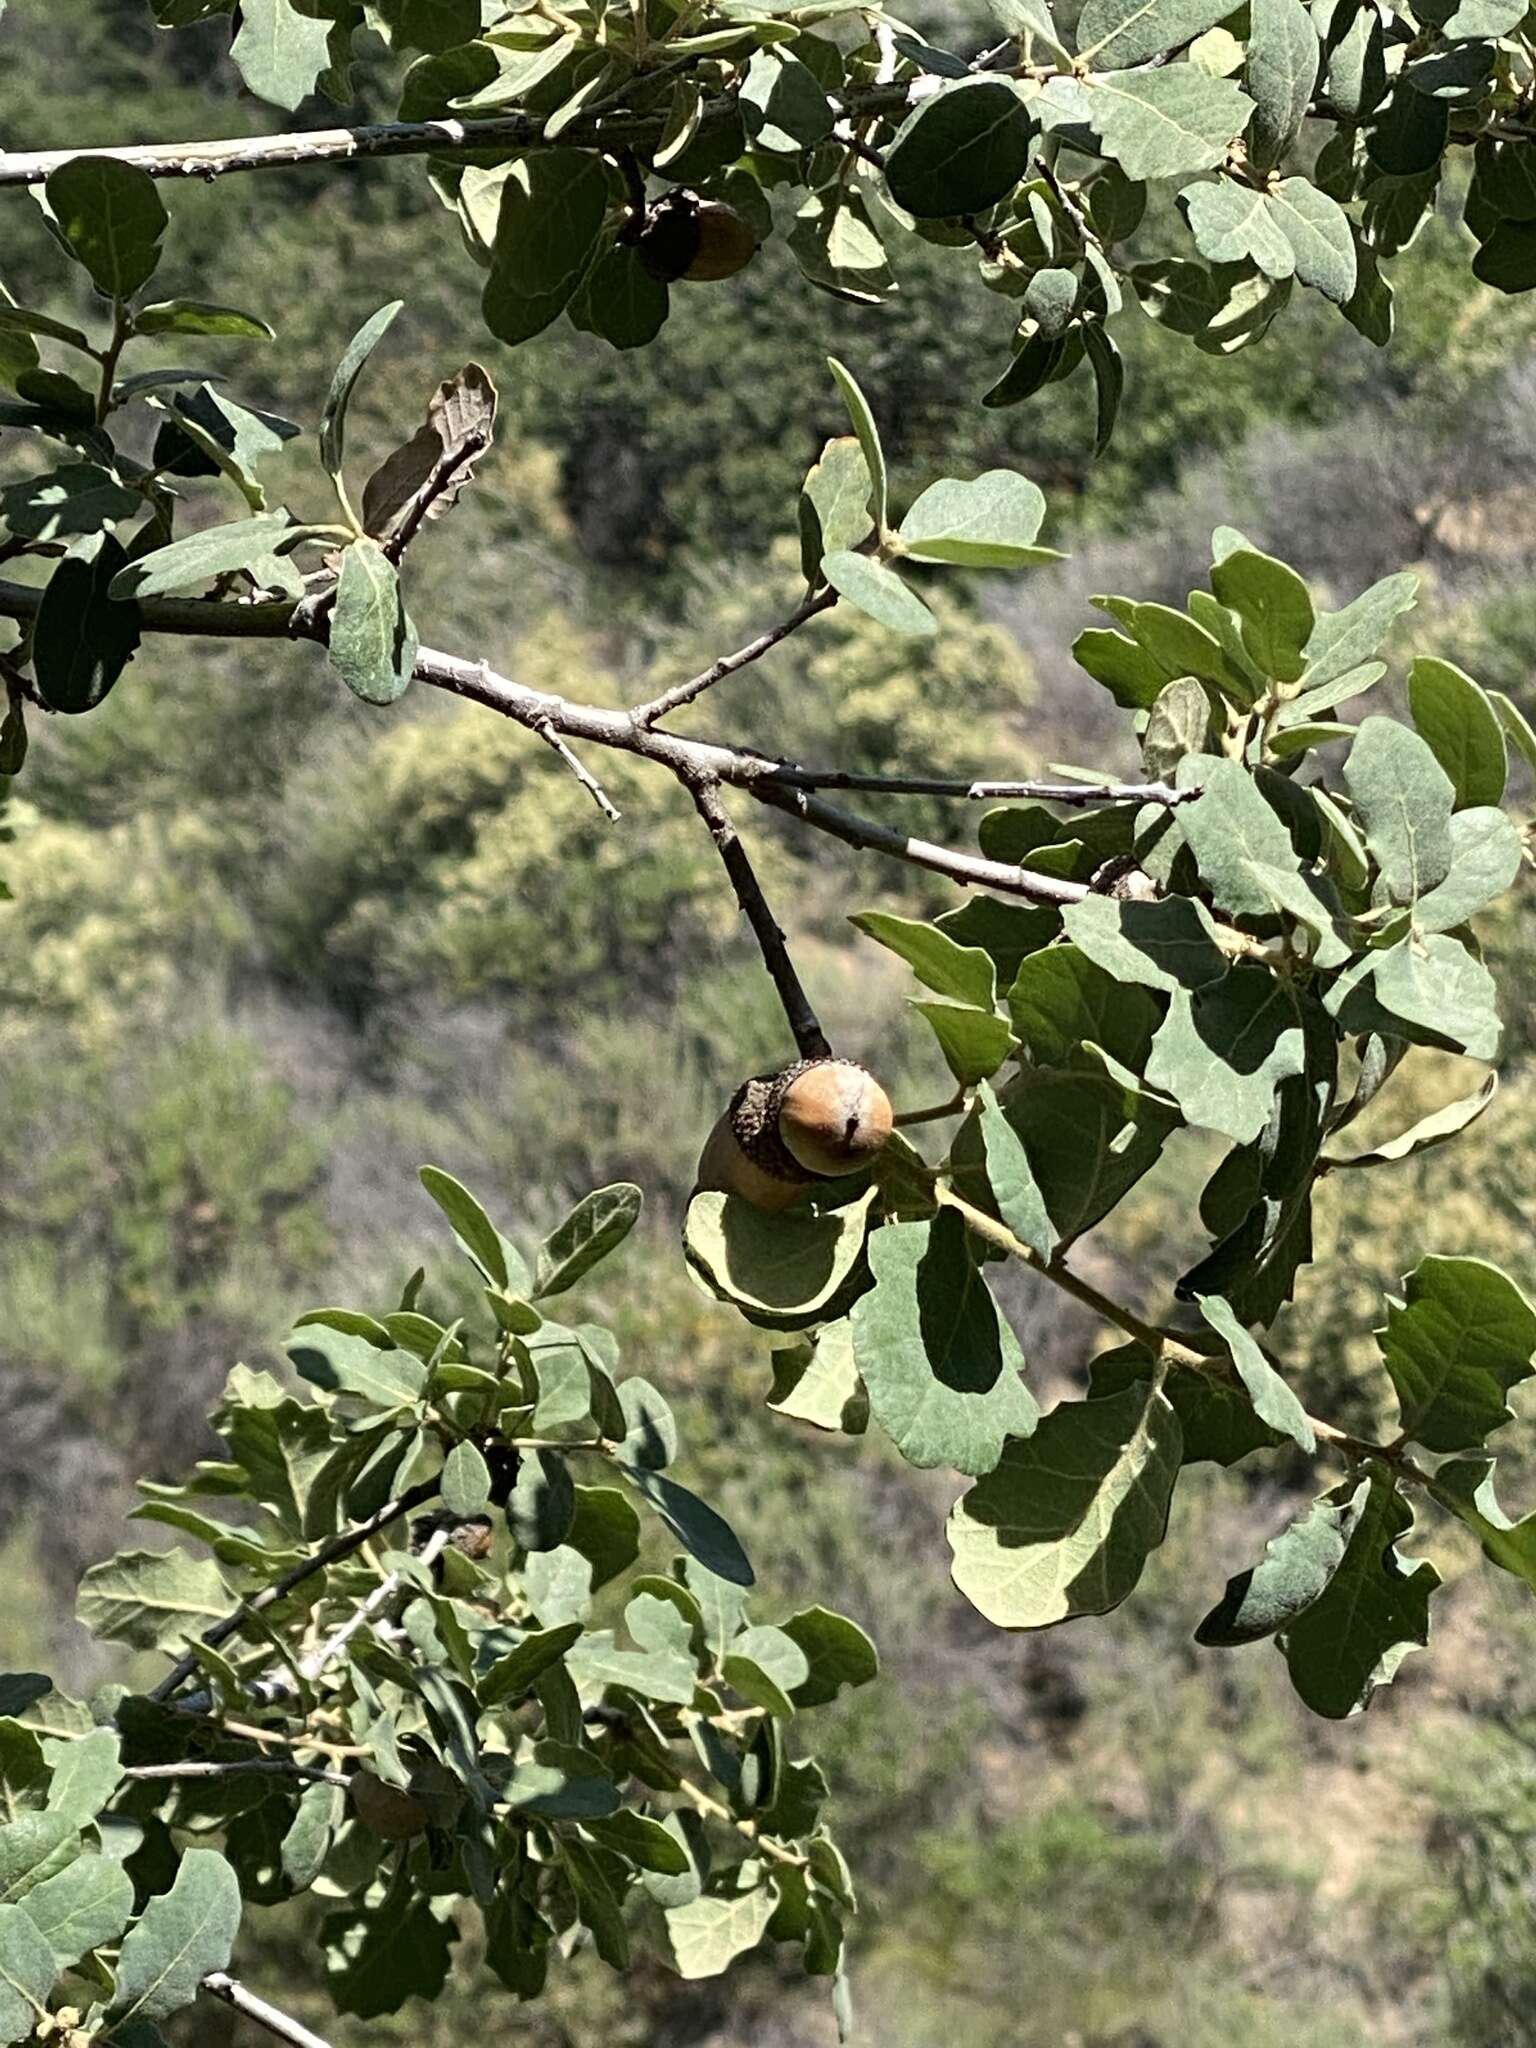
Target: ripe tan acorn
816 1120
833 1116
692 239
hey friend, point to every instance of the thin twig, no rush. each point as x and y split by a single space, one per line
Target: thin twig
934 1114
645 715
740 767
328 1553
1078 795
240 1766
808 1034
445 473
583 774
444 138
219 1984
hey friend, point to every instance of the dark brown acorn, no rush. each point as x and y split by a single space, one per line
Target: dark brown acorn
695 240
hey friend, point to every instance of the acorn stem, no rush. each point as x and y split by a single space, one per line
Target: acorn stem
809 1037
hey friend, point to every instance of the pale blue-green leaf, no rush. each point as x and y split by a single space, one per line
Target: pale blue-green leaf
879 591
1221 1053
84 1906
1065 1524
1272 1399
372 641
868 436
1486 855
1403 800
1463 1337
190 563
1462 727
940 1364
987 523
182 1935
1342 640
1166 123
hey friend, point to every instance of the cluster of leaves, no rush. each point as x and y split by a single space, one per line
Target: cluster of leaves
1304 145
574 1749
1252 955
108 216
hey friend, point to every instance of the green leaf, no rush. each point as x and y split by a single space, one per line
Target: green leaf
1061 1000
1517 727
1230 830
384 1380
1089 1139
620 300
1462 729
110 215
190 563
940 1364
650 1435
606 1531
703 1533
1120 33
641 1841
765 1665
78 497
478 1238
1166 945
547 234
1233 223
333 416
1465 1487
511 1678
32 1849
1109 381
282 52
1294 1571
1343 640
973 1041
1507 260
817 1381
84 1907
1372 1612
151 1599
783 107
1433 1129
372 641
542 1506
1464 1336
86 1773
1161 124
1283 62
1065 1524
1273 1401
1270 599
879 591
199 316
1439 987
1403 800
837 1653
988 523
1486 856
596 1226
1317 230
1124 668
837 490
1014 1188
960 151
231 439
1222 1052
83 639
868 436
181 1936
785 1267
27 1971
963 972
466 1482
708 1934
1009 932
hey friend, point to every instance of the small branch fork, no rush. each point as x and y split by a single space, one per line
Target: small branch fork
646 715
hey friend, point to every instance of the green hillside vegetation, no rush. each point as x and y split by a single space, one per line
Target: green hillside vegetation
269 949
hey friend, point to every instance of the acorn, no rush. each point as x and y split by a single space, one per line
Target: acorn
833 1117
816 1120
698 240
